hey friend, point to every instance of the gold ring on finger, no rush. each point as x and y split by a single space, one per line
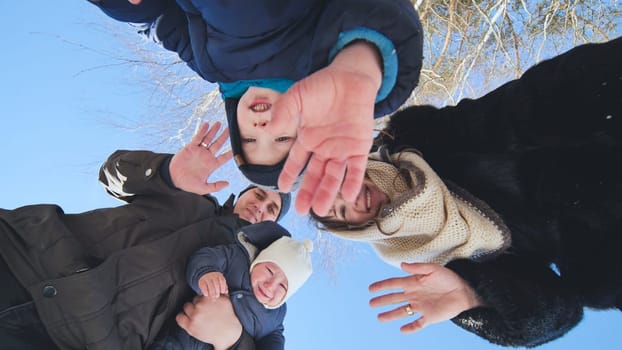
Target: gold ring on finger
409 310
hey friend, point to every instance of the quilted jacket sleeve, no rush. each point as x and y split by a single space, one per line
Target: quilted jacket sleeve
205 260
163 21
122 10
526 302
393 26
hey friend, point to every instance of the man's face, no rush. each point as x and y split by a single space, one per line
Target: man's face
257 205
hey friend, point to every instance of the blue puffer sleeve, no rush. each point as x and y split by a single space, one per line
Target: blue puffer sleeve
145 12
204 260
163 21
393 26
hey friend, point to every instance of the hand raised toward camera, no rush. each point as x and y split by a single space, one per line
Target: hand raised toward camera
434 292
192 165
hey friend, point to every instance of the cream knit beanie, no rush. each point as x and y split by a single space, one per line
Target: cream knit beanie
293 257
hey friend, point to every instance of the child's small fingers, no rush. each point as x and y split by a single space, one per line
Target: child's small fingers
213 289
203 288
224 289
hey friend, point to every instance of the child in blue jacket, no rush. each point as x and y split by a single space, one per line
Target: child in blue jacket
258 284
301 80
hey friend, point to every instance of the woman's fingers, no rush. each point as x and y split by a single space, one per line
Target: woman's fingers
388 284
387 299
395 314
419 268
404 311
414 326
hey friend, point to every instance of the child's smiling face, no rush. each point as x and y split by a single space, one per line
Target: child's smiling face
269 283
259 144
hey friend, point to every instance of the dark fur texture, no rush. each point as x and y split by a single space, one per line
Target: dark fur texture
545 152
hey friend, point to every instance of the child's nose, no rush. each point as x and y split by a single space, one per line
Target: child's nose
260 123
269 286
272 282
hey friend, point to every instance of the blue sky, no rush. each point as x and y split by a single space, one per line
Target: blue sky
63 102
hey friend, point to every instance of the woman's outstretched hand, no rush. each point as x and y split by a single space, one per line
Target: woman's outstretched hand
192 165
432 291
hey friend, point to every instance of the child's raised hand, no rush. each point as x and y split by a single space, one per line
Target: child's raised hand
335 107
192 165
213 284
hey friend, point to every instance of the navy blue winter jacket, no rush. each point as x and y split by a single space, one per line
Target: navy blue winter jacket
275 43
233 261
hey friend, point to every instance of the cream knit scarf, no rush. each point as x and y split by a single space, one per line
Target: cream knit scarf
425 222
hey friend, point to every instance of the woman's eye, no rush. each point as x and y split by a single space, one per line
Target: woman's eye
283 286
269 270
248 140
282 139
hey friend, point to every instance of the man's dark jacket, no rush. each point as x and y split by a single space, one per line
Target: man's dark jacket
110 278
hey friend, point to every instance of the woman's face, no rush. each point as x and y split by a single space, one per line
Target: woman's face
366 206
260 145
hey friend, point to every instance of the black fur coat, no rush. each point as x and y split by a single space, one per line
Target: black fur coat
545 152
